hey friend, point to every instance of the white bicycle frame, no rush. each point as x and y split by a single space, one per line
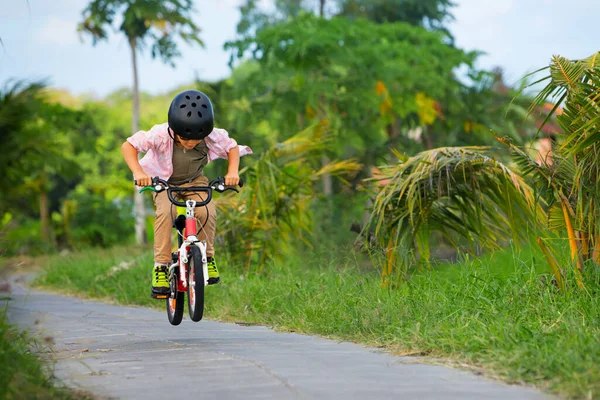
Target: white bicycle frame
191 240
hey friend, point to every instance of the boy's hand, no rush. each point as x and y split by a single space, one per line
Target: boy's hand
232 179
142 179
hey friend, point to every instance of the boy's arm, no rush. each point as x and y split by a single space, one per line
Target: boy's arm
233 160
130 154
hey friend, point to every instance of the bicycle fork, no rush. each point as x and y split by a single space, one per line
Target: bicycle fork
190 239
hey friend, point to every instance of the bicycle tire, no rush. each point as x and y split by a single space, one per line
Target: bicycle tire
174 304
195 285
175 308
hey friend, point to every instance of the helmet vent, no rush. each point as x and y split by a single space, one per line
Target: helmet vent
182 106
187 97
199 114
193 104
189 114
204 106
197 97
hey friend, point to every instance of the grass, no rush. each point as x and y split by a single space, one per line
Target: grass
24 374
500 315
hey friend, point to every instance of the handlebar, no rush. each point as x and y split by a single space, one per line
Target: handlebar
218 184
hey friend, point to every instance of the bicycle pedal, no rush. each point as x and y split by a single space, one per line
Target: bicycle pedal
159 296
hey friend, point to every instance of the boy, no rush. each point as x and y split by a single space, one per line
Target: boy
178 151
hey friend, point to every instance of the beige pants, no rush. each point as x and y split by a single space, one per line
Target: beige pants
166 213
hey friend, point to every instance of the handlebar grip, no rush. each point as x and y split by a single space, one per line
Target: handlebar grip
154 181
241 182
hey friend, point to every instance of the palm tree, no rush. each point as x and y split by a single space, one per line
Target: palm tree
19 102
464 194
30 132
144 22
570 183
460 192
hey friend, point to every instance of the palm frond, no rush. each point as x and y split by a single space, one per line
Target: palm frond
272 214
461 192
566 73
337 168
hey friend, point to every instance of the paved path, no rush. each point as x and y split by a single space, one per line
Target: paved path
134 353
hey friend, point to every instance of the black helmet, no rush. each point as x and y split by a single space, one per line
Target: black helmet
191 115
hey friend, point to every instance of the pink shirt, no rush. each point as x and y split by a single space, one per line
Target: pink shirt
158 146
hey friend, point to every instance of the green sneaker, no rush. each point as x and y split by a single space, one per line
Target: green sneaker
160 282
213 272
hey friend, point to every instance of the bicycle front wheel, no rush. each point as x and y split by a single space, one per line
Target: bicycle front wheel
195 285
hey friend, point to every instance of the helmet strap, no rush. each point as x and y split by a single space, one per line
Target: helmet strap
171 134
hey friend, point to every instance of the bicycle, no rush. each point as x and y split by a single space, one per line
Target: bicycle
185 275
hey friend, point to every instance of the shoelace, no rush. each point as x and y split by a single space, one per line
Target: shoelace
157 274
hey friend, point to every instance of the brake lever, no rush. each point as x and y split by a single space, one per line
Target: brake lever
222 188
156 187
219 185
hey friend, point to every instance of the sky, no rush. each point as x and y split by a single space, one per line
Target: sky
40 41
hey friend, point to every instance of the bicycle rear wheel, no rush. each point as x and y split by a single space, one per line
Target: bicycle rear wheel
195 285
174 302
175 308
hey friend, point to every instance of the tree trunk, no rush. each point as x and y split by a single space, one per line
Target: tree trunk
575 258
138 199
428 141
44 209
368 168
327 181
393 131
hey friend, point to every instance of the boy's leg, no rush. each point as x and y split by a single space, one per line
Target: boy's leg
162 243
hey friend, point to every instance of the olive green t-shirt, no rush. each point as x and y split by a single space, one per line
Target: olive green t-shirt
188 164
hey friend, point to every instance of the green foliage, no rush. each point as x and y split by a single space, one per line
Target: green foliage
37 139
23 236
19 105
575 169
568 180
254 18
145 22
460 192
488 104
120 273
65 148
482 206
373 84
429 13
23 374
361 77
332 235
97 221
272 216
